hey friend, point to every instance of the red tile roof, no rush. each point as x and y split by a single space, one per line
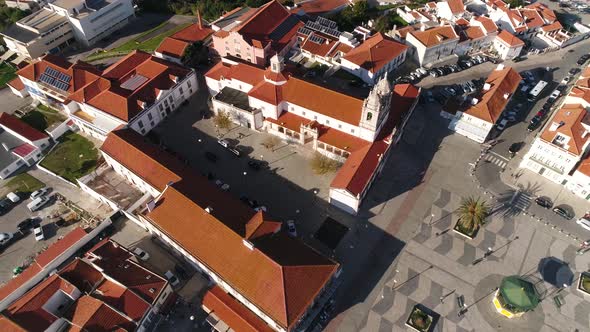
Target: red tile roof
90 314
6 325
487 23
547 13
81 73
24 150
12 123
107 95
318 7
320 49
375 52
571 117
172 47
584 166
509 39
503 83
193 33
18 281
17 84
232 312
435 36
280 275
145 160
122 299
456 6
60 246
263 21
552 27
359 168
29 312
81 274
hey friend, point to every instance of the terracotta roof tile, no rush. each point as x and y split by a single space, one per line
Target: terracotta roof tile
503 83
434 36
18 281
509 39
145 160
552 27
232 312
456 6
320 49
122 299
193 33
59 246
6 325
262 274
570 116
17 84
584 166
81 274
91 314
318 7
487 23
11 122
172 47
375 52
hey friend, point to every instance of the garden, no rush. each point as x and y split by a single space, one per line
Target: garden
22 183
420 320
472 214
73 157
7 73
43 117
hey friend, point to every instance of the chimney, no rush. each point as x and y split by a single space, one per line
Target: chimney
199 21
506 96
422 27
487 86
474 101
209 209
556 125
500 66
151 205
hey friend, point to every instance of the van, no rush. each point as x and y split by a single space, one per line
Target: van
37 203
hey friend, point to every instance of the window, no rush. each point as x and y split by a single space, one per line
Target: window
303 113
150 116
188 83
339 126
170 99
369 116
160 107
181 91
315 117
352 131
327 121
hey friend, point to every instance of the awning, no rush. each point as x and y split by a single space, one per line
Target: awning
7 55
19 59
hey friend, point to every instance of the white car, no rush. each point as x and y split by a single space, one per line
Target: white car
144 256
565 80
38 231
171 278
291 228
39 193
585 223
5 238
14 198
223 142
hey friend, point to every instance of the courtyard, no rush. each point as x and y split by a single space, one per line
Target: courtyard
73 157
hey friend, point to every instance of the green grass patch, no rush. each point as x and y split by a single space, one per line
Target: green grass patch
147 46
585 282
72 158
43 117
24 183
7 73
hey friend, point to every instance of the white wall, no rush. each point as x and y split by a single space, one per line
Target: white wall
545 158
5 173
579 184
130 176
344 200
505 51
90 28
470 127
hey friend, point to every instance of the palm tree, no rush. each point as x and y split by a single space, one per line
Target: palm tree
472 212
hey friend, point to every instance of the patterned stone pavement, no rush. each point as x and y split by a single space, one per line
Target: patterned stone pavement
437 266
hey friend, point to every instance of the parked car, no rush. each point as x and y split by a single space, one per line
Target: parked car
515 147
544 201
14 198
535 121
291 228
223 142
563 212
37 203
5 205
172 279
502 124
583 59
519 59
254 165
39 193
565 80
212 157
38 231
144 256
5 238
574 71
235 151
555 94
27 224
585 223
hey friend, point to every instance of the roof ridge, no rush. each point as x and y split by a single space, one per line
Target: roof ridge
326 88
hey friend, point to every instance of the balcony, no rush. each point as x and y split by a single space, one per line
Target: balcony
546 164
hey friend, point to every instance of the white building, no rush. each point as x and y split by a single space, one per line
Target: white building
62 22
374 58
579 182
337 125
433 45
507 45
476 35
140 90
20 143
523 22
450 9
31 5
561 145
413 16
477 121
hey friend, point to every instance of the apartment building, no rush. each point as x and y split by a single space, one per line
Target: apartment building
62 22
139 90
507 45
477 121
450 10
256 34
431 45
235 246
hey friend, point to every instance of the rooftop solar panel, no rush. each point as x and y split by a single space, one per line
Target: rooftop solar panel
134 82
304 31
326 22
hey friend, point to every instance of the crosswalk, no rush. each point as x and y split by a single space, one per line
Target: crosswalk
522 201
496 160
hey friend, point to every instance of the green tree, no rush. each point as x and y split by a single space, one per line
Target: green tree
472 213
196 54
10 15
353 16
222 120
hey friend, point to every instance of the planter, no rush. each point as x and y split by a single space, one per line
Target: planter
459 230
419 320
584 283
